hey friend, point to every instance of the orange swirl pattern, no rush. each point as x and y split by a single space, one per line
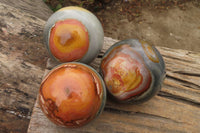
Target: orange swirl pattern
71 95
124 72
69 40
149 51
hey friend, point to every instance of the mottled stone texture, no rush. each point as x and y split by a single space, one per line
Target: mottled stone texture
176 108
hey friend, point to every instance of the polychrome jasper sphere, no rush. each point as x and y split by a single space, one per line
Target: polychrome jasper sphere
73 34
133 71
72 95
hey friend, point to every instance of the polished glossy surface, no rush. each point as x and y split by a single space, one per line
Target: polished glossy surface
72 95
69 40
73 34
133 71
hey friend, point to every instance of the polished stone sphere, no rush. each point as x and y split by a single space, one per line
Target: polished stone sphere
133 71
73 34
72 95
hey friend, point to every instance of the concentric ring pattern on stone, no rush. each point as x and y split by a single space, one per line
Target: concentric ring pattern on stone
72 95
133 70
73 34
